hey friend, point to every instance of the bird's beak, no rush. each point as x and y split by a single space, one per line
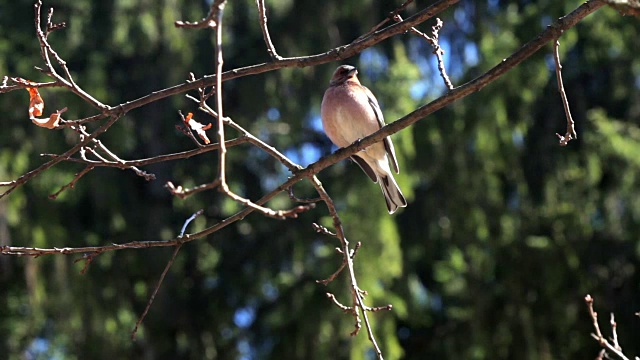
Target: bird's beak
353 72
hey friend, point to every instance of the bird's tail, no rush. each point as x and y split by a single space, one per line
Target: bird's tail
392 194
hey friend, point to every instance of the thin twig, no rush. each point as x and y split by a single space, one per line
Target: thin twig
155 291
190 219
293 197
51 27
594 315
33 173
37 252
83 154
571 130
386 20
219 115
614 326
46 49
115 159
183 193
339 304
437 49
262 11
72 183
87 258
126 164
335 274
218 88
439 52
356 292
322 230
277 214
22 84
598 335
379 308
164 273
207 22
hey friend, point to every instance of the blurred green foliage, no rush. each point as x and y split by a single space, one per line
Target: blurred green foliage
504 234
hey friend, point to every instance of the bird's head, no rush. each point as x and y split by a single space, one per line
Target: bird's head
343 74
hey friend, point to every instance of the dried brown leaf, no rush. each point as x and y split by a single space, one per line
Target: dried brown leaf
198 127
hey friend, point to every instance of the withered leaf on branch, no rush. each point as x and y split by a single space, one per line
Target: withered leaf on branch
51 122
198 127
36 107
36 104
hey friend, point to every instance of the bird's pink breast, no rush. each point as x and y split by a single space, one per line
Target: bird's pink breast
347 115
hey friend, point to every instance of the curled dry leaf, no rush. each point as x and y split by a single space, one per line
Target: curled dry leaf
51 122
197 127
36 107
36 104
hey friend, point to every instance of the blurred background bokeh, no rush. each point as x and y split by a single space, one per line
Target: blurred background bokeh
504 235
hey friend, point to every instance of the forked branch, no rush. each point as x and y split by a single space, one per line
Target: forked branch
606 345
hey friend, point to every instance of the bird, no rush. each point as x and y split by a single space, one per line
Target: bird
349 112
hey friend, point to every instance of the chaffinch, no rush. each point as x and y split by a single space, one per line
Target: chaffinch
350 112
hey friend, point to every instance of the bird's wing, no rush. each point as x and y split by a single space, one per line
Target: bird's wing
388 145
365 167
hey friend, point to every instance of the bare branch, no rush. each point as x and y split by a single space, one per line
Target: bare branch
33 173
356 292
571 131
293 197
338 304
22 84
219 62
594 315
182 193
219 115
262 11
598 335
614 326
36 252
114 158
87 258
164 273
208 22
46 49
389 17
51 27
126 164
323 230
339 53
73 182
155 291
437 49
335 274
